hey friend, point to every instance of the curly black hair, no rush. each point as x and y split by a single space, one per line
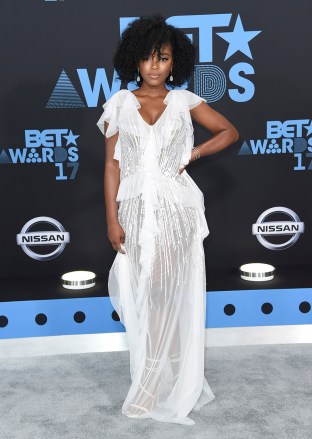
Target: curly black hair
147 34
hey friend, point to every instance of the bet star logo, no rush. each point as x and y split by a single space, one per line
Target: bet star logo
238 39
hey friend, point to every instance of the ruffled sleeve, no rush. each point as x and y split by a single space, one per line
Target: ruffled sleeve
192 99
111 113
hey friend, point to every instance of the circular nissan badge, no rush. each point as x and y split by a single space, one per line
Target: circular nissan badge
58 237
292 228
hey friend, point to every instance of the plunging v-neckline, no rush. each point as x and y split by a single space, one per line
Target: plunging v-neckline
140 115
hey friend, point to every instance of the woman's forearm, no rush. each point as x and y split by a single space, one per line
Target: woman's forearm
217 142
111 185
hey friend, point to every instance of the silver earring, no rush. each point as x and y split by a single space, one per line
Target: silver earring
171 77
138 77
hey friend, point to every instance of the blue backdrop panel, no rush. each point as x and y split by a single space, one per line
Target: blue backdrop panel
96 315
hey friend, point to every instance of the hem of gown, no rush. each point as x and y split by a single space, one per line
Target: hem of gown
185 420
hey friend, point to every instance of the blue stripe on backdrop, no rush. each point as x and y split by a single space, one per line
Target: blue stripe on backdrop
224 309
259 307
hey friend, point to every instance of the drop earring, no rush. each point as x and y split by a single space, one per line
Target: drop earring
171 77
138 77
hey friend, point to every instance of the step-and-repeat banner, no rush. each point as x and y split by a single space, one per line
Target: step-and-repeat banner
253 65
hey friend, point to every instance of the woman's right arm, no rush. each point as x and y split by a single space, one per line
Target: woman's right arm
115 232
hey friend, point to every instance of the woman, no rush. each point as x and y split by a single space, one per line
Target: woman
155 219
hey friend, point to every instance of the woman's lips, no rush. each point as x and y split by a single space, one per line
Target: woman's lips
154 75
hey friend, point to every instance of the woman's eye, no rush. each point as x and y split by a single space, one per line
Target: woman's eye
161 59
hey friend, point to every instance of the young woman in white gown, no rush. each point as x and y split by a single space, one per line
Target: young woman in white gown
156 221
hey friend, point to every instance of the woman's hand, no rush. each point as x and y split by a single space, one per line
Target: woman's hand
191 160
116 236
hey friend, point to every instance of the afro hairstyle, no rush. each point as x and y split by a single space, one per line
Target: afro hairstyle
149 33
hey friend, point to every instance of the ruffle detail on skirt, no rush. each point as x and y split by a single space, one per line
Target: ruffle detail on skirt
157 186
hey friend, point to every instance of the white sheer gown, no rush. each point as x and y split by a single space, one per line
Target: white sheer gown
158 288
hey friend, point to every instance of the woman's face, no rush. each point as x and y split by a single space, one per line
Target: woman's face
156 69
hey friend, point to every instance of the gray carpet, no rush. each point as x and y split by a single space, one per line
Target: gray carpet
261 392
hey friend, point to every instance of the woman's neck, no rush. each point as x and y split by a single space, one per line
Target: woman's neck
153 91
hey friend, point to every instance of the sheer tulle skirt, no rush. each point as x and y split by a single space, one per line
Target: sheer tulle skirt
164 320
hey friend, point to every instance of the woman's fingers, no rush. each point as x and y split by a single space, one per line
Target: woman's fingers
116 235
122 248
119 246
